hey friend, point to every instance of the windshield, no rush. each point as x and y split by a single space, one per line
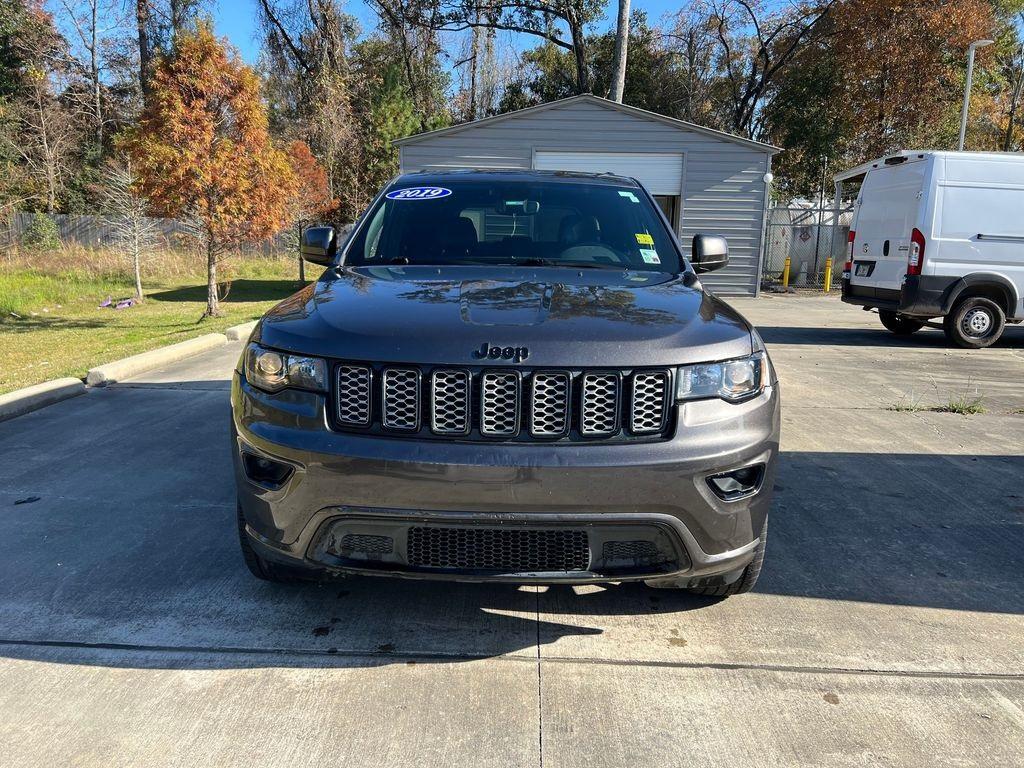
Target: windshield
527 223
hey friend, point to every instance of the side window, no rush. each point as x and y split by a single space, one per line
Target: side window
970 211
371 245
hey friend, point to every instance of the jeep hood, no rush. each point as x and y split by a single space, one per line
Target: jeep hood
565 317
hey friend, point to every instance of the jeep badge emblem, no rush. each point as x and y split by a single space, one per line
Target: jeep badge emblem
518 354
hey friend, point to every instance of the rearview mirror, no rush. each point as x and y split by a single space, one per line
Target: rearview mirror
319 245
709 252
518 207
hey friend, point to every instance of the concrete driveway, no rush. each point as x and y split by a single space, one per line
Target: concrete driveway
887 629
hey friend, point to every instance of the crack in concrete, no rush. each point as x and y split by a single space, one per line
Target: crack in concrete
534 659
540 690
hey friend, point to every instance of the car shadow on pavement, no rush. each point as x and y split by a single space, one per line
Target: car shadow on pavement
928 338
129 547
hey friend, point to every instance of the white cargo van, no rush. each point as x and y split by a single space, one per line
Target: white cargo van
939 234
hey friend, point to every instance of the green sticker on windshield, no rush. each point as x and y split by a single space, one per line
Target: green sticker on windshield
649 256
633 198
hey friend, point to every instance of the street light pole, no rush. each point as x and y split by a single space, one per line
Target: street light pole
967 88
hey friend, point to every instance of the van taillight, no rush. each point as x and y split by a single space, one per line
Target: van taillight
849 251
915 260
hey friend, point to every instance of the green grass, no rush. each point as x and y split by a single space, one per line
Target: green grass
907 404
965 405
51 324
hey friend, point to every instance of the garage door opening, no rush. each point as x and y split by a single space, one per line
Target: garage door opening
669 205
661 173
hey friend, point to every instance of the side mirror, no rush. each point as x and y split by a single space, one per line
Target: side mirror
319 245
709 252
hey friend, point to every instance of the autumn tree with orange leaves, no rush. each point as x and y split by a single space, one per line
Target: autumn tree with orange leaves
311 196
903 69
204 154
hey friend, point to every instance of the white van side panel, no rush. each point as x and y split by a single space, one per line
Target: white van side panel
888 208
978 223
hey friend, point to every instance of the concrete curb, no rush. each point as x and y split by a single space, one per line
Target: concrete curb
22 401
129 366
240 332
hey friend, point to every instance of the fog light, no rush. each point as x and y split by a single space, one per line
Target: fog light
738 483
266 472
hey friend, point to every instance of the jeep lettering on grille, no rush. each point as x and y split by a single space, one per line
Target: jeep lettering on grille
486 351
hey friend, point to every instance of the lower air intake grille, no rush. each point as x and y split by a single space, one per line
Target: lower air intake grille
503 550
366 544
630 550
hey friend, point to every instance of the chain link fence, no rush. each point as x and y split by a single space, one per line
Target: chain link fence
98 232
808 236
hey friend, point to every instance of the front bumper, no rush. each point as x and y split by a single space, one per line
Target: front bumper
652 496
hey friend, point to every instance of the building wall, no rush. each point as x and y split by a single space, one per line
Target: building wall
723 188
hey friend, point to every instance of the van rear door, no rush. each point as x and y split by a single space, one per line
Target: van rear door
887 211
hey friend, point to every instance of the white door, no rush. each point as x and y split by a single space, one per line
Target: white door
660 173
887 212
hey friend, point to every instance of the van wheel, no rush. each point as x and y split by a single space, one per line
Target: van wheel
898 324
975 322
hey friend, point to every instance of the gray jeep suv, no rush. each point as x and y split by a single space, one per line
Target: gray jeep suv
510 376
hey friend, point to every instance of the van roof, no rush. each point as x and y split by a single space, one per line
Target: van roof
904 155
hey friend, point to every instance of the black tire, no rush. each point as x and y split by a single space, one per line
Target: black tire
898 324
712 586
747 579
974 323
262 568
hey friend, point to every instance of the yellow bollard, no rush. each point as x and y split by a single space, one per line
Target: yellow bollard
785 273
828 274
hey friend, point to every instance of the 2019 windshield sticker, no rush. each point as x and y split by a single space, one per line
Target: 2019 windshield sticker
418 193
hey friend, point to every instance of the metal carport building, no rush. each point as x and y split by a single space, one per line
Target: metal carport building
705 180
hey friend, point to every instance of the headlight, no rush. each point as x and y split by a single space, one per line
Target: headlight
273 371
732 380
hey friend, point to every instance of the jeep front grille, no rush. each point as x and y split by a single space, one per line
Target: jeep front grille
549 407
647 411
506 404
401 398
354 396
499 403
450 393
599 404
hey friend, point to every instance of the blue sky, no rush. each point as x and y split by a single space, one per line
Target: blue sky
236 19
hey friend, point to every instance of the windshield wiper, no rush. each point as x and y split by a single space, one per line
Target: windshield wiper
535 262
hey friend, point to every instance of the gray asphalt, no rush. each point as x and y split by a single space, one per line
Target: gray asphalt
887 629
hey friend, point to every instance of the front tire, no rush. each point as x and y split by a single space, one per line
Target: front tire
262 568
898 324
974 323
713 587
